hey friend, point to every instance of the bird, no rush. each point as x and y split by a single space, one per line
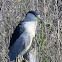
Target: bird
23 35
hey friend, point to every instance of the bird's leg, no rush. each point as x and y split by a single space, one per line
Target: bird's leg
24 60
19 58
16 59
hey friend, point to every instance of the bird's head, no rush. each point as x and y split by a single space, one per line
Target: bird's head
34 16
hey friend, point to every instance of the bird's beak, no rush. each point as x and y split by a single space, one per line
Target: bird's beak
41 20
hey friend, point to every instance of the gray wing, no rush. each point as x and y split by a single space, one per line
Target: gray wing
16 48
18 42
19 46
17 32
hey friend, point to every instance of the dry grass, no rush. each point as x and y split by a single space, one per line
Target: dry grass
12 11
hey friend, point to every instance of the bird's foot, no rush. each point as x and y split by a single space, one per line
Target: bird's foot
24 60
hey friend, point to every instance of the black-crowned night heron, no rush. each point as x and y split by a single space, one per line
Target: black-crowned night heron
23 35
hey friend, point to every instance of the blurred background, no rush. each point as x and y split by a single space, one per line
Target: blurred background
47 44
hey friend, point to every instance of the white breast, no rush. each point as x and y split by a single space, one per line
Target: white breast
31 28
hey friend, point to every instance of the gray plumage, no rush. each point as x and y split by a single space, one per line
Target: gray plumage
23 35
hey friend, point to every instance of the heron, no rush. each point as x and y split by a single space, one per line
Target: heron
23 35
